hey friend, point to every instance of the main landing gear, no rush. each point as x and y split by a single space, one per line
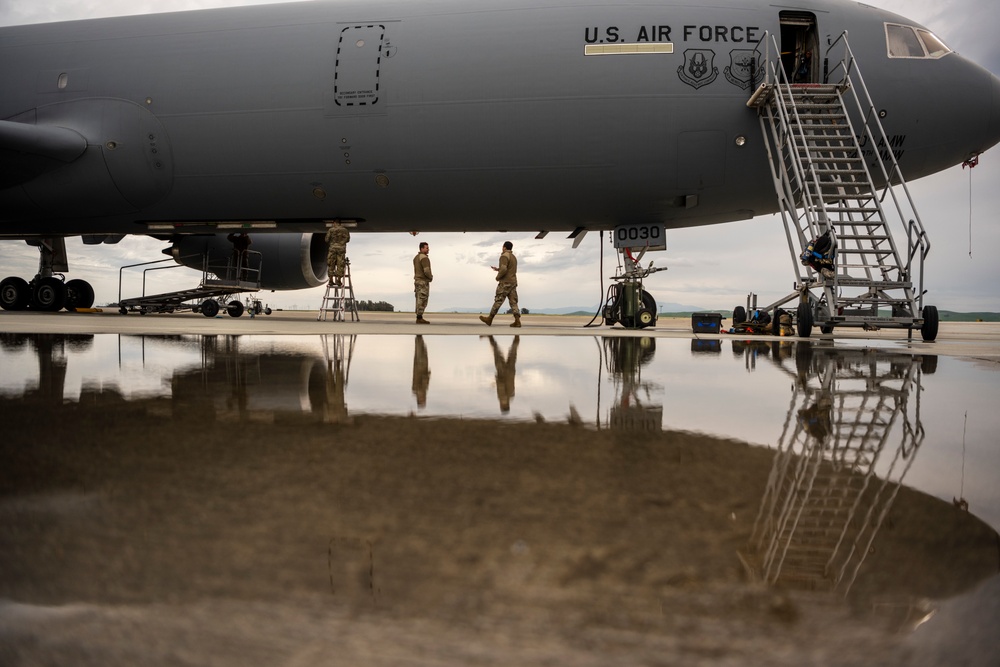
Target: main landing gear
49 290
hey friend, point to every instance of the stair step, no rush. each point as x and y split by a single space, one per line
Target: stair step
820 120
861 237
850 209
816 94
828 110
862 188
826 129
826 140
843 162
864 251
828 153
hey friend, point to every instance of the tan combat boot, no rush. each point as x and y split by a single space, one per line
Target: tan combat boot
488 319
517 321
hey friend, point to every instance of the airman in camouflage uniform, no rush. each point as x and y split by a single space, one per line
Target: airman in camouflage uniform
337 238
506 372
422 278
506 287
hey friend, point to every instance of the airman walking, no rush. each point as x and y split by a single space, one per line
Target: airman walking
506 286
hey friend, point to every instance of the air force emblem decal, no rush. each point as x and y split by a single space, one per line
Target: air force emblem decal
698 69
741 72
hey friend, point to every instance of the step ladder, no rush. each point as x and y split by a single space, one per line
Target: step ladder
851 435
833 169
338 300
338 350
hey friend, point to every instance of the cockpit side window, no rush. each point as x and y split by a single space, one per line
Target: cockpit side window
908 42
935 47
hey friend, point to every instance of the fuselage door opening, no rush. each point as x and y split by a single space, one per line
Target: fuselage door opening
800 47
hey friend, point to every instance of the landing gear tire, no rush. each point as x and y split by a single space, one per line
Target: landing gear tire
14 293
929 329
646 317
79 294
776 321
928 364
209 308
739 315
234 308
803 320
48 294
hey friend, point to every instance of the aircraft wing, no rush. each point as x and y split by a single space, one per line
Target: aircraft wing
27 150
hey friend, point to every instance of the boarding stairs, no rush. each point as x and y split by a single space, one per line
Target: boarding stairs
833 169
850 438
338 299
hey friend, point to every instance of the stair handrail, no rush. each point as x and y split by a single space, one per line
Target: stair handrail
176 265
773 68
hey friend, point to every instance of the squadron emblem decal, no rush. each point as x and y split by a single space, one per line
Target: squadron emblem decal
739 73
699 68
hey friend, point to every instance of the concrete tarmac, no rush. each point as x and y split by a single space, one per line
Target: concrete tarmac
960 339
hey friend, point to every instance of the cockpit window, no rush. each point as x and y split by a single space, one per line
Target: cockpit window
908 42
935 47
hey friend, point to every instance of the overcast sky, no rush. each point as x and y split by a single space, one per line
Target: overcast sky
709 267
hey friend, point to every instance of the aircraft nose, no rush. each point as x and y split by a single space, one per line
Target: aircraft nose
993 128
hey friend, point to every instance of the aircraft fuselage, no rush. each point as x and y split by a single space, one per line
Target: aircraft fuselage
433 116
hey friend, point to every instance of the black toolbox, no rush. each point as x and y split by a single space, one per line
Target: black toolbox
709 323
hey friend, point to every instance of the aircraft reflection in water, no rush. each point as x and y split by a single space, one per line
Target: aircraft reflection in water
851 412
624 359
270 385
543 531
52 351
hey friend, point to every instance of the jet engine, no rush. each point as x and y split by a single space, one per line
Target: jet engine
288 261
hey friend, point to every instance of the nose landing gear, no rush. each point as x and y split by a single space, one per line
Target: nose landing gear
627 302
630 305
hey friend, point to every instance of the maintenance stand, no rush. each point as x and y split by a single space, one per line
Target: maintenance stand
220 281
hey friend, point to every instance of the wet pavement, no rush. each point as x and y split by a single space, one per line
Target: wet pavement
495 499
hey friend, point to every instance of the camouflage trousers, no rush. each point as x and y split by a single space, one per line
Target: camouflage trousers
335 262
422 291
506 291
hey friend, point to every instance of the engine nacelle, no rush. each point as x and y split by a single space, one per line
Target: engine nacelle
90 158
288 261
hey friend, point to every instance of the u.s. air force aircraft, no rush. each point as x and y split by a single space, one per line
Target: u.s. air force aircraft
573 115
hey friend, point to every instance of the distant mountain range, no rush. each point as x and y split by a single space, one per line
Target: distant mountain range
683 310
589 310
